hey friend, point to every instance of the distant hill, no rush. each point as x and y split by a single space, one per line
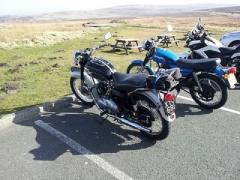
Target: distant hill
231 10
126 11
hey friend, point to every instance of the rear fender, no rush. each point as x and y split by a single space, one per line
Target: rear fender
237 54
212 74
87 78
140 63
152 95
189 81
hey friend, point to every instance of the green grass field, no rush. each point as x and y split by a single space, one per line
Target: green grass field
42 73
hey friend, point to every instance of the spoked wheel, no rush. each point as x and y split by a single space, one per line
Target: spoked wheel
135 69
80 91
149 117
214 92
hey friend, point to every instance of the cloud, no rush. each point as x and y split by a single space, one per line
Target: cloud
42 6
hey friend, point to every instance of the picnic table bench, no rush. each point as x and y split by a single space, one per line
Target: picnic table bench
126 44
167 39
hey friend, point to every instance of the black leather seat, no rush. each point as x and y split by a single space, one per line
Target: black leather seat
197 64
228 50
129 82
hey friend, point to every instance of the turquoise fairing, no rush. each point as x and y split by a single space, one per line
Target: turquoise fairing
165 53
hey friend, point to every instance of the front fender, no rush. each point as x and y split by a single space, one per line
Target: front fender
76 74
139 62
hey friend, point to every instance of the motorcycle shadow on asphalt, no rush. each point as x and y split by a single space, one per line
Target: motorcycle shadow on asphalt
236 88
185 109
88 129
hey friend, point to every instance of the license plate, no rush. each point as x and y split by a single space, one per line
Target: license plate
232 80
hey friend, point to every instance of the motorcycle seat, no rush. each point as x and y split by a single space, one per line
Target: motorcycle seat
198 64
228 50
129 82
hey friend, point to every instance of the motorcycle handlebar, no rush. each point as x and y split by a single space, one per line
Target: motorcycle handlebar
149 55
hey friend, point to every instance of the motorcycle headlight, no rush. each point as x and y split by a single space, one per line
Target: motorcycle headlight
77 59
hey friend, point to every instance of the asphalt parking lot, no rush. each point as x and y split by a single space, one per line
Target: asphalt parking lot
75 143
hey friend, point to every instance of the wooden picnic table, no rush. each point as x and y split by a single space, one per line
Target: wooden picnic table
126 44
167 39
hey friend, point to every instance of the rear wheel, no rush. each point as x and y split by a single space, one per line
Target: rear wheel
214 92
149 117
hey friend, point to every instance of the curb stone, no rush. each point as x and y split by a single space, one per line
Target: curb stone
34 111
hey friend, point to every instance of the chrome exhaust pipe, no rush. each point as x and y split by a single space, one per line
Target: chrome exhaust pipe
134 125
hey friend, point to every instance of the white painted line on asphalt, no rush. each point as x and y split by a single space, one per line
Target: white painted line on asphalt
230 110
222 108
185 98
84 151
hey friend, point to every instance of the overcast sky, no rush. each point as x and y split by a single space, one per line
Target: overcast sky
27 7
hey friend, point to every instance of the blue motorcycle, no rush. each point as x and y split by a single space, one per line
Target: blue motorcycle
203 78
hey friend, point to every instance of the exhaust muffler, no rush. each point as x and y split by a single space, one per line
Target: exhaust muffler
134 125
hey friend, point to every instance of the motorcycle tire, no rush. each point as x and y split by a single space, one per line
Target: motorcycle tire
131 66
209 91
159 126
77 92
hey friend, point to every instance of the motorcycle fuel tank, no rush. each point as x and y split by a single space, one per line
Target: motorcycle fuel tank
165 53
100 69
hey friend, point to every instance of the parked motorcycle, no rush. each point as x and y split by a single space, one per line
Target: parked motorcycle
199 76
130 99
202 45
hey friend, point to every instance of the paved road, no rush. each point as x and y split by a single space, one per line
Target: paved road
202 145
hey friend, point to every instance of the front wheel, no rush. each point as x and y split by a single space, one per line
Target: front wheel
138 68
80 91
214 91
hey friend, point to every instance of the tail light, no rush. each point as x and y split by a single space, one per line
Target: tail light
169 97
232 70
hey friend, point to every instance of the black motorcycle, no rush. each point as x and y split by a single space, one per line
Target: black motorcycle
130 99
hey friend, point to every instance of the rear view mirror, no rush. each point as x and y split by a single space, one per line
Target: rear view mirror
107 36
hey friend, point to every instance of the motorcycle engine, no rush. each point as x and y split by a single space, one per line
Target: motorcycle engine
102 88
105 102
